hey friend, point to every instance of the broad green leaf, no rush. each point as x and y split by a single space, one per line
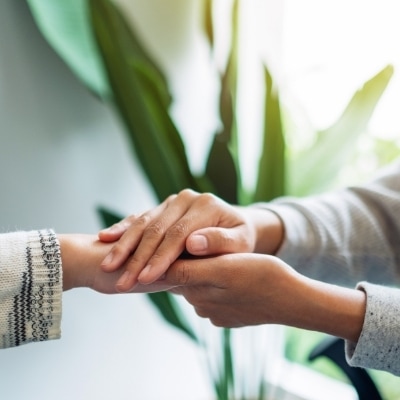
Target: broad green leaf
163 301
221 170
66 26
141 95
271 170
170 311
315 169
222 167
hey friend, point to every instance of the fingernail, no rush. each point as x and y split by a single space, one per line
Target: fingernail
123 280
109 229
198 243
107 260
144 272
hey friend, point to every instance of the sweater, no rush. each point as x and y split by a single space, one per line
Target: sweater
30 287
351 237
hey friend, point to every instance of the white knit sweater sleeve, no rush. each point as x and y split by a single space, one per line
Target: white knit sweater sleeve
350 236
30 287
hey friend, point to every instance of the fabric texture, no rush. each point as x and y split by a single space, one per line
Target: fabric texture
353 236
30 287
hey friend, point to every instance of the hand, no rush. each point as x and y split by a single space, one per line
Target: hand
81 256
249 289
199 224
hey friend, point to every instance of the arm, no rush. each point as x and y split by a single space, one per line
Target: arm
247 289
35 267
201 224
218 288
345 236
340 237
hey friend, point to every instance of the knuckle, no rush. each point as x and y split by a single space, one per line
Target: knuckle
201 312
184 274
143 220
130 219
218 322
208 199
155 229
171 198
179 230
187 193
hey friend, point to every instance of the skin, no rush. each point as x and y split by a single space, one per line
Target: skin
235 281
81 256
238 290
200 224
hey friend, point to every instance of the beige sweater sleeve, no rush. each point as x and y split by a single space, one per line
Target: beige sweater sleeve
30 287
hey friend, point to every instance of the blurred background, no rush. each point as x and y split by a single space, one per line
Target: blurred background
63 152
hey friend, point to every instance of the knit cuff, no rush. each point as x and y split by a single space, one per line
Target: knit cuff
378 346
34 295
47 285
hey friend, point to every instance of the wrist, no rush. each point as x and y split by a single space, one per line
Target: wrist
268 227
331 309
74 250
69 275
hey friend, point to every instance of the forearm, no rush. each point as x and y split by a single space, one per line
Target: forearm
327 308
345 236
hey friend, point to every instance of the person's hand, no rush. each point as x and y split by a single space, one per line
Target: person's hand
81 256
198 224
238 290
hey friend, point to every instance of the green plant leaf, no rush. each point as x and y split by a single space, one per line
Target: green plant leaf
66 26
271 171
170 311
317 167
222 167
142 96
221 170
108 217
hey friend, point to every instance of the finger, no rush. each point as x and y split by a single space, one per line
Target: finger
202 212
196 272
134 228
147 247
210 241
158 286
115 231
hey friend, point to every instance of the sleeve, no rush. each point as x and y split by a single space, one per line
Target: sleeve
350 236
30 287
345 236
379 344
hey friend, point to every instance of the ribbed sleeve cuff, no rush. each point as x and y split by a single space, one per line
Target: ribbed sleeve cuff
46 285
30 287
379 344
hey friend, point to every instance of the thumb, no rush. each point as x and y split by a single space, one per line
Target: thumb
196 272
211 241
